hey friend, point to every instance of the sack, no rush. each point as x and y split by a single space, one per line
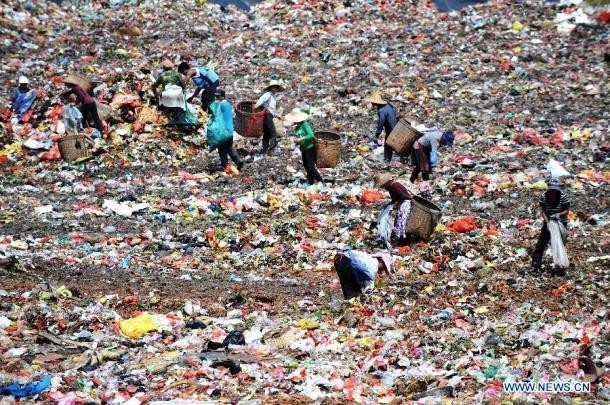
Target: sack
560 254
190 116
433 158
364 267
384 226
217 133
72 119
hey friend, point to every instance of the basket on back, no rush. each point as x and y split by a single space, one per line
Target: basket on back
402 137
328 149
248 122
74 147
423 218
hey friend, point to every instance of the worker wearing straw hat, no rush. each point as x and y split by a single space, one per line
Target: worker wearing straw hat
306 144
398 192
268 103
79 87
387 120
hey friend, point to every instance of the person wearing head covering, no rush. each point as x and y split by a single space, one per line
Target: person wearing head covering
306 144
554 206
424 154
23 97
225 150
204 79
357 271
267 102
88 108
172 92
386 120
401 198
398 192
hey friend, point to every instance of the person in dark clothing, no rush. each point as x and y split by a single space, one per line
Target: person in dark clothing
87 106
357 271
306 144
554 206
225 150
204 79
387 120
425 148
268 103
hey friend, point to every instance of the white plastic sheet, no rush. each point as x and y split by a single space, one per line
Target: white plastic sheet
560 255
384 225
556 170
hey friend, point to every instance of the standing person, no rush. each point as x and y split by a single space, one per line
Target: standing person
357 271
306 144
554 206
225 150
87 104
425 149
387 120
172 92
268 102
23 97
205 80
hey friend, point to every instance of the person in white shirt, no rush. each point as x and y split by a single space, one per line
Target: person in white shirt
268 103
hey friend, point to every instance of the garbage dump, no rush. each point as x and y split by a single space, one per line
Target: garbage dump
134 269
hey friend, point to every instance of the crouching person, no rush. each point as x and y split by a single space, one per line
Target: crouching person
357 271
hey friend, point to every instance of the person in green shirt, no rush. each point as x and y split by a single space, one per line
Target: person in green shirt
306 144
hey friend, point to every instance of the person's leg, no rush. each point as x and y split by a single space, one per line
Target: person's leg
309 162
349 286
85 112
222 152
414 174
425 176
231 152
543 241
269 127
266 134
96 118
387 151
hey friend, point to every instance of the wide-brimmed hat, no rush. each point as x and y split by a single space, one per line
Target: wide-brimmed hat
386 259
79 81
381 179
23 80
167 64
274 83
375 98
296 115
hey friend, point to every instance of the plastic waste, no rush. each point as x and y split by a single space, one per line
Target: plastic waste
560 254
20 391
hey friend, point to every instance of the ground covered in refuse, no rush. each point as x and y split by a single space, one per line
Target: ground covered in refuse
143 275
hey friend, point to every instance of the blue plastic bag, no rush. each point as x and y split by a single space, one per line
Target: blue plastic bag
217 132
433 158
19 391
364 266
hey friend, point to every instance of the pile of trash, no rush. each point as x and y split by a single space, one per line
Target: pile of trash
141 275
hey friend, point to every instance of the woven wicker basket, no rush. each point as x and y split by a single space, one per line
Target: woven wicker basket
74 147
402 137
328 149
423 218
83 82
248 122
